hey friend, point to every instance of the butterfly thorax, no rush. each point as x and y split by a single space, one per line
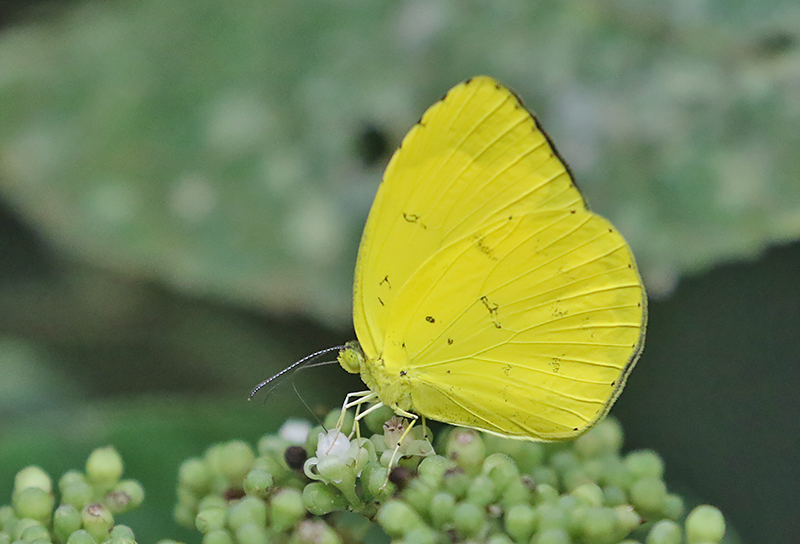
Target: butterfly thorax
392 387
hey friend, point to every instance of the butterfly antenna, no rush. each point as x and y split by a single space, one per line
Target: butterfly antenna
296 392
293 366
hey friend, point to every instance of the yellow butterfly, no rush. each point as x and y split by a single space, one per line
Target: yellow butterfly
486 294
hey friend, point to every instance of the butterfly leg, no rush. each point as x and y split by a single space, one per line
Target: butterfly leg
355 399
413 419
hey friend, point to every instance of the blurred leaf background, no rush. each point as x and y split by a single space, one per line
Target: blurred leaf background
183 185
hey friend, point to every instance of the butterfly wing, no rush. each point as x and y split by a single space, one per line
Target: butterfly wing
488 292
475 156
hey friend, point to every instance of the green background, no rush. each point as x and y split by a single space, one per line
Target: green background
183 185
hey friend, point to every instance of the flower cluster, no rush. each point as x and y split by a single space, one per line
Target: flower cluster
330 489
87 507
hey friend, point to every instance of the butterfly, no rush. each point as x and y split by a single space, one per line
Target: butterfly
487 294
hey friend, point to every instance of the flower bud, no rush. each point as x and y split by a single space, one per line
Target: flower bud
81 536
397 518
34 503
195 475
32 476
104 468
286 508
258 483
664 532
97 520
127 495
469 519
321 499
466 448
210 519
247 510
252 533
704 524
66 520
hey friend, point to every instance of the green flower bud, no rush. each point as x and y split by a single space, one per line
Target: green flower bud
184 514
375 420
518 491
397 518
610 431
252 533
551 516
210 519
374 476
546 494
120 540
81 537
501 469
456 482
545 475
614 496
97 520
469 519
23 524
599 526
645 463
75 489
520 522
247 510
418 494
321 499
122 532
332 419
466 448
442 509
104 468
563 461
195 475
315 532
673 507
705 524
32 476
481 491
664 532
420 535
234 461
35 532
8 519
286 508
648 496
5 538
66 520
212 500
627 519
220 536
499 538
271 445
168 541
551 536
127 495
588 494
34 503
258 483
530 456
590 444
616 473
432 469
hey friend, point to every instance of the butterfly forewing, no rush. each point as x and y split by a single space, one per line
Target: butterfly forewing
486 283
475 156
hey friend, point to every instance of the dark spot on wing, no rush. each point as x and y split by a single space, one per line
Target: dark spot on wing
492 307
430 319
449 341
